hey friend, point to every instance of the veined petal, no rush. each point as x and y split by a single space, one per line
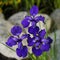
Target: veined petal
34 10
20 46
24 51
36 52
33 23
45 40
16 30
33 30
42 33
11 41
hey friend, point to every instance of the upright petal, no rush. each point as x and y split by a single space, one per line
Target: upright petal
33 30
11 41
33 23
24 51
34 10
16 30
20 46
42 33
36 52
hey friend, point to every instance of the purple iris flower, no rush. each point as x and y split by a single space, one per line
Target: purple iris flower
33 19
16 40
38 42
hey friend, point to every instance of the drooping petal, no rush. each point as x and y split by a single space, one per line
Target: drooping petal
33 30
16 30
45 47
42 33
39 18
36 52
30 41
50 40
25 23
34 10
11 41
18 52
24 51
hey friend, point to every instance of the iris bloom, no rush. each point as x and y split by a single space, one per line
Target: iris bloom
16 40
33 19
38 42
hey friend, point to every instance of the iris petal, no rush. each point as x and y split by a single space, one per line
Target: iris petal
30 41
20 46
11 41
24 51
50 40
42 33
25 23
45 47
37 52
24 36
44 40
39 18
34 10
33 30
16 30
18 52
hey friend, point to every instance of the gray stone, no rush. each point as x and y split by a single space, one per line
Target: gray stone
16 18
56 17
57 43
5 27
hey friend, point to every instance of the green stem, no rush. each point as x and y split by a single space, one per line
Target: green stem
31 56
54 47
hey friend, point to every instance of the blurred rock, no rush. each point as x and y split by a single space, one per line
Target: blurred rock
57 43
5 27
16 18
56 17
